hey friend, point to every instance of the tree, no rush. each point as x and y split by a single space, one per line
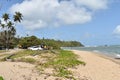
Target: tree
8 26
29 41
2 39
17 17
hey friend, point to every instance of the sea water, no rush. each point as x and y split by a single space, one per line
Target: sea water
111 51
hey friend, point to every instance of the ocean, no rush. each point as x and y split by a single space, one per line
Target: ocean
110 51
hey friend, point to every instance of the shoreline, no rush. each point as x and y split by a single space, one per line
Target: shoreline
100 54
98 66
107 57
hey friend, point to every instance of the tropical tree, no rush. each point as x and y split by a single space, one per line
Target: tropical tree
2 39
8 26
17 17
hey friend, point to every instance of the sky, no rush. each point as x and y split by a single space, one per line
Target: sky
92 22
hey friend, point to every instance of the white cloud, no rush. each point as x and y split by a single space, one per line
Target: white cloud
45 13
93 4
117 30
69 14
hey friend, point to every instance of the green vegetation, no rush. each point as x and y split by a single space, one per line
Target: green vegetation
19 54
1 78
29 60
28 53
22 53
65 59
25 42
1 51
28 41
8 31
62 72
59 60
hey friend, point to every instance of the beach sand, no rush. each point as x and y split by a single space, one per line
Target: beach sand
98 67
22 71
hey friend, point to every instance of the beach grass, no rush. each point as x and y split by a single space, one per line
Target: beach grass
63 61
28 60
66 59
17 55
4 55
1 78
59 60
62 72
1 51
22 53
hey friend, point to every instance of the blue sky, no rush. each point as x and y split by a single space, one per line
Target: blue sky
92 22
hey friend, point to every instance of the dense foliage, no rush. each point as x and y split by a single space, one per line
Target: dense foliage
56 44
28 41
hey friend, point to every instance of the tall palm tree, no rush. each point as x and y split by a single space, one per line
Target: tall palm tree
5 17
2 39
17 17
9 26
11 32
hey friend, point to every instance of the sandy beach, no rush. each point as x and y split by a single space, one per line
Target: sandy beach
97 67
22 71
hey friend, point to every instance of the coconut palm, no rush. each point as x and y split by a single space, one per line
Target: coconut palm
9 26
11 32
5 17
17 17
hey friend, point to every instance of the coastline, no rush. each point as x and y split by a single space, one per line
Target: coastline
98 66
107 57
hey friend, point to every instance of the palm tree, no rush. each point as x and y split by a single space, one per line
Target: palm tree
2 25
11 32
9 26
2 39
5 17
17 17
